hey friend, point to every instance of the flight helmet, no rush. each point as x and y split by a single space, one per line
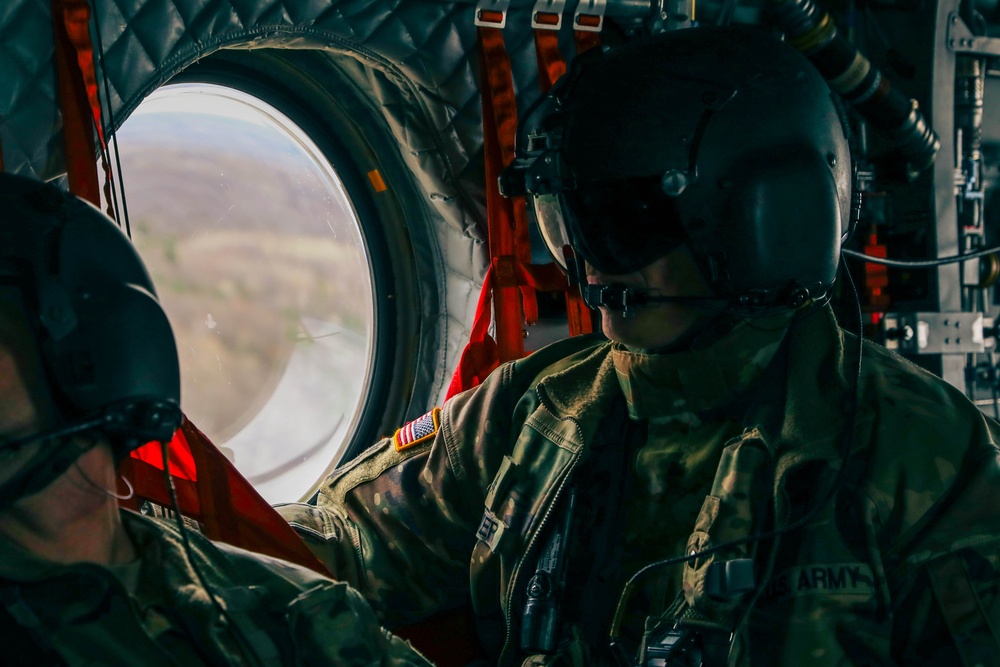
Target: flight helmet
105 345
722 138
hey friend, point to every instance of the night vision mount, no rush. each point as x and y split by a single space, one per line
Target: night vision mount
539 170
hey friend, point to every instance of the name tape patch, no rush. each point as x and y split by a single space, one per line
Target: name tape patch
827 578
418 430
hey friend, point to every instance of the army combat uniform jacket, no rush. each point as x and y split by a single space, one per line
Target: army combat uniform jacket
886 555
155 611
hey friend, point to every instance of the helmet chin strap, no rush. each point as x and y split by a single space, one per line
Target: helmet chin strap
127 425
754 303
46 464
628 299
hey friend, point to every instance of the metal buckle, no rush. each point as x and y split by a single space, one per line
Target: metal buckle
624 299
492 13
589 16
548 14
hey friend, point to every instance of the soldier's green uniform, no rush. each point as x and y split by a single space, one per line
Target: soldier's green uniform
900 567
155 612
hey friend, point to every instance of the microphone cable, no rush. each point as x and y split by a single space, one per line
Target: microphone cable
832 491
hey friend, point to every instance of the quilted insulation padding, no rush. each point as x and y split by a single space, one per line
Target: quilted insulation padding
416 59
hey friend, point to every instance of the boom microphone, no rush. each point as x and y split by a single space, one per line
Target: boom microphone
627 299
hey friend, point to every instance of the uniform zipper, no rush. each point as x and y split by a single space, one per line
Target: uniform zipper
515 579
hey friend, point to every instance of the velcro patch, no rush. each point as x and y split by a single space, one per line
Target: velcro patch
490 530
418 430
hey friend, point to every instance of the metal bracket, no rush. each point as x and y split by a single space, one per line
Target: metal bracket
961 40
548 14
935 333
492 13
589 16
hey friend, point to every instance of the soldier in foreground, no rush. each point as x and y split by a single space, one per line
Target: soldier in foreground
730 479
88 371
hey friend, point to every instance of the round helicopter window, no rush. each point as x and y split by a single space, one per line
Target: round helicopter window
260 261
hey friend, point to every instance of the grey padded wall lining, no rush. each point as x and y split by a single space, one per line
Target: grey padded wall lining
30 125
416 59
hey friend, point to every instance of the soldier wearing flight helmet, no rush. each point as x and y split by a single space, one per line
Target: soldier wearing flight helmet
88 372
818 501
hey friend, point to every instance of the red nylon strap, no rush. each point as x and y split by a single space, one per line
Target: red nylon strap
542 277
76 15
578 316
586 40
876 276
211 491
507 218
218 515
511 274
551 64
481 355
550 278
77 115
79 143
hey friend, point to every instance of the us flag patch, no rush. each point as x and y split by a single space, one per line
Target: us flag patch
418 430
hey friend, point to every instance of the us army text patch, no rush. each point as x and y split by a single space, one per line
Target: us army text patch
821 579
418 430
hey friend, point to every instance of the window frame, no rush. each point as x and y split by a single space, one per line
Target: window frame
307 89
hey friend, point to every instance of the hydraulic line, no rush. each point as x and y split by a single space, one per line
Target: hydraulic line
812 31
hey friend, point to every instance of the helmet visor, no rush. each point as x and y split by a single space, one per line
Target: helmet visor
552 225
621 226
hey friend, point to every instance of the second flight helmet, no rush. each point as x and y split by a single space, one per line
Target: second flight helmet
75 284
723 138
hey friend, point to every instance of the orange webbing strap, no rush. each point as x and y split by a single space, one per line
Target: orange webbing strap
77 114
481 355
507 219
511 279
578 317
551 64
72 36
212 492
542 277
586 40
77 80
500 297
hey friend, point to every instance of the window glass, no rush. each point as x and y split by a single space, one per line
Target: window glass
259 260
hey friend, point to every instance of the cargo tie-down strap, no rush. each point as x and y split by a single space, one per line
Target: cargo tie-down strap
508 294
546 19
79 105
211 491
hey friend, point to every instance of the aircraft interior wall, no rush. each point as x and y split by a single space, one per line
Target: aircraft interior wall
393 90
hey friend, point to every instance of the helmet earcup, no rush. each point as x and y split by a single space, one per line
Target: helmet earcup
783 220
